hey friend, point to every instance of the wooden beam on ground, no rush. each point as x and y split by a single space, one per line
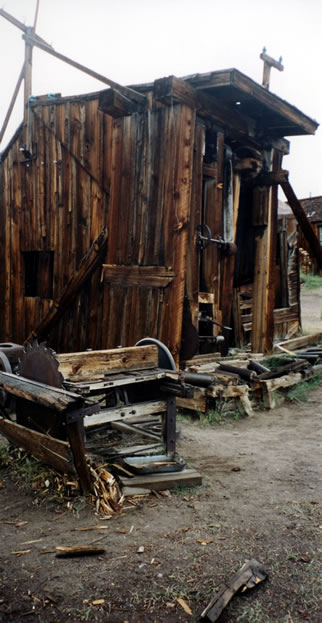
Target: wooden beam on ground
48 449
57 309
172 89
303 221
170 480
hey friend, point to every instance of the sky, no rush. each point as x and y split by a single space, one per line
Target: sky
135 41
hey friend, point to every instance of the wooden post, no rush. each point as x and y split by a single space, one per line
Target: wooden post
262 204
28 73
76 440
269 62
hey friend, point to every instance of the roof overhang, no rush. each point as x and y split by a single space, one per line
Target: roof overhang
273 115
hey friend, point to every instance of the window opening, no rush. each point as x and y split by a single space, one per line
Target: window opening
38 273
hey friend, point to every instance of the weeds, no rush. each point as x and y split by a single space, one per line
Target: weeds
253 614
4 454
300 392
311 282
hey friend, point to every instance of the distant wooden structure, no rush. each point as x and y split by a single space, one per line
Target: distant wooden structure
312 207
179 173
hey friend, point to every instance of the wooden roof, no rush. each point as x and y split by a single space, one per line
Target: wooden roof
312 207
273 115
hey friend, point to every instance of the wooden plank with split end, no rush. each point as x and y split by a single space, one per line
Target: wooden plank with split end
49 450
159 482
97 363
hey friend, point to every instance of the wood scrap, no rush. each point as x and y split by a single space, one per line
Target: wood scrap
78 550
250 574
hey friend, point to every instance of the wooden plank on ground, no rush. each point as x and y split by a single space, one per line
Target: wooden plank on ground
170 480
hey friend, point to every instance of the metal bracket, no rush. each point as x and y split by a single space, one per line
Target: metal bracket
204 238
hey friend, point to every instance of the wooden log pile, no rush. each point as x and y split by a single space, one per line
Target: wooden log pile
251 378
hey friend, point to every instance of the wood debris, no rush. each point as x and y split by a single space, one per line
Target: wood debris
107 492
78 550
184 605
250 574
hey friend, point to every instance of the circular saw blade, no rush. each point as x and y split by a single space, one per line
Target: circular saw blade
39 364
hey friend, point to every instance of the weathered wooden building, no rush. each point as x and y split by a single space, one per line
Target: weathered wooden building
167 171
312 207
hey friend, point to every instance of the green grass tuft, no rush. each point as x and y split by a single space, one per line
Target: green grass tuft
311 282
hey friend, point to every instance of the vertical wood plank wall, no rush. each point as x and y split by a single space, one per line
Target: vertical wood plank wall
132 174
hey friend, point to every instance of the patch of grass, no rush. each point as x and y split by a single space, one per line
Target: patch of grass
253 614
276 361
311 282
301 391
182 490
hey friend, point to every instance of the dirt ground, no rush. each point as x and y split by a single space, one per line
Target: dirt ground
311 309
259 499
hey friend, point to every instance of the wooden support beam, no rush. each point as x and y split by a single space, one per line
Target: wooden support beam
126 91
12 103
262 266
172 89
114 103
27 76
57 309
76 440
303 221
